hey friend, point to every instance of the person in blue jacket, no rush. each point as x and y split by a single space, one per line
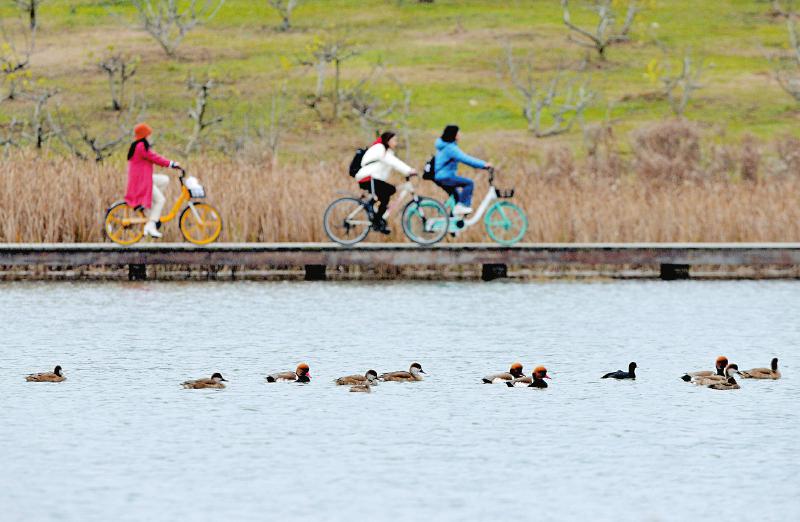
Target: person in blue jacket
448 156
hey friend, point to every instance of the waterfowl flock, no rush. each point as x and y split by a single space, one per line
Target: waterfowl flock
721 378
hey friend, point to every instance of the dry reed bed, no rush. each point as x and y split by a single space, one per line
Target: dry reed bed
64 200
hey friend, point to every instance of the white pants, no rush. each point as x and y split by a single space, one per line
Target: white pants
160 183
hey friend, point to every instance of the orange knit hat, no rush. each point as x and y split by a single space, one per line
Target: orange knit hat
142 131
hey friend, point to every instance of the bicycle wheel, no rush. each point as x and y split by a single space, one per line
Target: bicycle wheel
506 223
120 232
202 225
425 222
346 221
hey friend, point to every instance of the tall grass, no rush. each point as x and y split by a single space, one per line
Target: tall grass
64 200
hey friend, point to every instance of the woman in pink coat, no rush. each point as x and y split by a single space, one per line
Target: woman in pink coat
145 189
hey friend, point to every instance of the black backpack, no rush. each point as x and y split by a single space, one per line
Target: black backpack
429 170
355 165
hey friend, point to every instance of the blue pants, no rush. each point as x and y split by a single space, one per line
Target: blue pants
463 196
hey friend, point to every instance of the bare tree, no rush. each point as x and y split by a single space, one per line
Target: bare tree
604 34
39 128
402 121
92 137
277 122
119 70
31 8
787 70
376 111
199 113
680 87
555 101
11 135
780 8
168 22
325 53
284 9
16 48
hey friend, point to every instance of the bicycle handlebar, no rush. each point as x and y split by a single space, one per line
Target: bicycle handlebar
491 171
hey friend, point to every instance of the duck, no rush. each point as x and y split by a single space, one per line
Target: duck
368 378
301 374
619 374
714 379
57 375
216 381
728 383
515 372
720 365
413 374
763 373
361 388
536 380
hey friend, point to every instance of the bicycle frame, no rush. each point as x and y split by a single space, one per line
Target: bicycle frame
405 189
488 199
184 198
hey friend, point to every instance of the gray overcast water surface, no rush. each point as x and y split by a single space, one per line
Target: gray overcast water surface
120 439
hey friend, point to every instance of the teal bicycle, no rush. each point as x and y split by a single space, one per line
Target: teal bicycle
505 222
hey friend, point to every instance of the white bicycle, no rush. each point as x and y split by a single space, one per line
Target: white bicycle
348 220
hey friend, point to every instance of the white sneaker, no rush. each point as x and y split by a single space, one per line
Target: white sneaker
461 210
151 230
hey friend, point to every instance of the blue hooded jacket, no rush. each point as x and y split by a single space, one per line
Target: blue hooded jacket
448 156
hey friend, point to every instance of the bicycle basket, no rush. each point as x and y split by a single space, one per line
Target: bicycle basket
505 193
194 187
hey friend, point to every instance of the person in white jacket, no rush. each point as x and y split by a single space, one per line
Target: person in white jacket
376 166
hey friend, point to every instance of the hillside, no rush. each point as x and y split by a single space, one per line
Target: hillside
444 55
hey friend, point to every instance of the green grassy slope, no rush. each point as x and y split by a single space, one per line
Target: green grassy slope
446 53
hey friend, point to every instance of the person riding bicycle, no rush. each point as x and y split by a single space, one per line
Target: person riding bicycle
448 156
145 189
376 166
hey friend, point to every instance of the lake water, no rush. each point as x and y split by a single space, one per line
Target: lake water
121 440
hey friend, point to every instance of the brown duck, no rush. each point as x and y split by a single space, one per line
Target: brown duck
413 374
216 382
55 376
361 388
729 383
763 373
368 378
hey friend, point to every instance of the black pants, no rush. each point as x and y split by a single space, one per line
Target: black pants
383 191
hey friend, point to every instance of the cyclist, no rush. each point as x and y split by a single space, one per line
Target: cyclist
145 189
448 156
376 166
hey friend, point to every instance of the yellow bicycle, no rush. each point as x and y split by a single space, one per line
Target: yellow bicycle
200 223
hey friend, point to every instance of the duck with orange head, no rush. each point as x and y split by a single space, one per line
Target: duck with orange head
536 379
719 369
514 372
301 374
